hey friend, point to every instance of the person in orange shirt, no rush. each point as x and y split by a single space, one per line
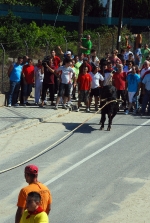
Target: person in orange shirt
31 174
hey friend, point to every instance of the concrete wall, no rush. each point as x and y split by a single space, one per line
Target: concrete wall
2 100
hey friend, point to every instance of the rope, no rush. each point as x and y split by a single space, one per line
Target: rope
45 150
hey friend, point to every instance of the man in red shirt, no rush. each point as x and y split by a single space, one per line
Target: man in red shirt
84 88
119 82
56 59
85 63
28 77
56 63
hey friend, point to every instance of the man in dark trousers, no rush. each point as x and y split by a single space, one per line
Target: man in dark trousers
25 61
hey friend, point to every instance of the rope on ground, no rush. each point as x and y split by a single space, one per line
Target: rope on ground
45 150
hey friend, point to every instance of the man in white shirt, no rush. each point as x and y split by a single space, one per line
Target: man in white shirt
126 54
93 58
145 68
97 80
67 74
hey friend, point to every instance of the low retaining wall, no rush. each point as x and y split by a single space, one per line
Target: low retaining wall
2 100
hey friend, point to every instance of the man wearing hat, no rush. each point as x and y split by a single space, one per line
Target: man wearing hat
31 174
127 52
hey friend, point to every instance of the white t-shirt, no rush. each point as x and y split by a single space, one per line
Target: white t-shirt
146 81
126 55
66 75
107 77
38 76
95 79
95 62
143 71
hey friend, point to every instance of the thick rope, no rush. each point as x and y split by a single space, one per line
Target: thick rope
45 150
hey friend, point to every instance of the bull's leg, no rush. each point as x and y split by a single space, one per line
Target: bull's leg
103 118
109 122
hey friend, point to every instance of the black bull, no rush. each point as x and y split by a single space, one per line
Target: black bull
109 93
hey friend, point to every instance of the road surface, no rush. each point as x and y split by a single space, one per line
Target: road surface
94 176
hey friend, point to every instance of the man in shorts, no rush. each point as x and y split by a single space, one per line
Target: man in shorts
66 76
84 88
31 174
97 81
34 212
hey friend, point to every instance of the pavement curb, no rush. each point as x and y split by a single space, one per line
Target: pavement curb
31 122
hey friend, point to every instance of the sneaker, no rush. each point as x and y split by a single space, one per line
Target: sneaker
134 112
16 105
77 110
9 105
56 107
41 106
126 112
64 107
27 103
142 114
45 102
87 110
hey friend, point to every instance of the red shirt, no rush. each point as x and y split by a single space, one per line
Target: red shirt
83 65
28 72
56 61
119 80
84 80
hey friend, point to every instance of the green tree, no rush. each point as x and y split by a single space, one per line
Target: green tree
10 26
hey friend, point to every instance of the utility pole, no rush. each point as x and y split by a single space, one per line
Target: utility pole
109 8
81 18
120 25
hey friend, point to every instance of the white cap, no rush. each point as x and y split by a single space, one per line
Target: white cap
68 52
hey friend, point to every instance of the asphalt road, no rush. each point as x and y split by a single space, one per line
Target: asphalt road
90 174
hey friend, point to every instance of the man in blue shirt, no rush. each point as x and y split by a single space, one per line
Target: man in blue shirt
14 74
133 85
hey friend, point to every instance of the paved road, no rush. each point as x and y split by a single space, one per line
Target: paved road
94 176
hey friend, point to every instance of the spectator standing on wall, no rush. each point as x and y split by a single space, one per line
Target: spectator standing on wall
86 45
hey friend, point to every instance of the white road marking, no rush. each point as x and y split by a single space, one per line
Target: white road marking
94 154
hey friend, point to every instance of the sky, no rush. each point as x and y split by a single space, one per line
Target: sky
104 2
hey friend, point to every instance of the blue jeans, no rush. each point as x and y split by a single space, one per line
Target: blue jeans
13 92
146 100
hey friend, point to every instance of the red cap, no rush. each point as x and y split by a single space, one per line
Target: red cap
32 169
128 47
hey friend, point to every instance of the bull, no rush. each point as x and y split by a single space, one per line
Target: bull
108 93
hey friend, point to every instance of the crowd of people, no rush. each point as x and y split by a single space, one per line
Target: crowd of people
82 77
